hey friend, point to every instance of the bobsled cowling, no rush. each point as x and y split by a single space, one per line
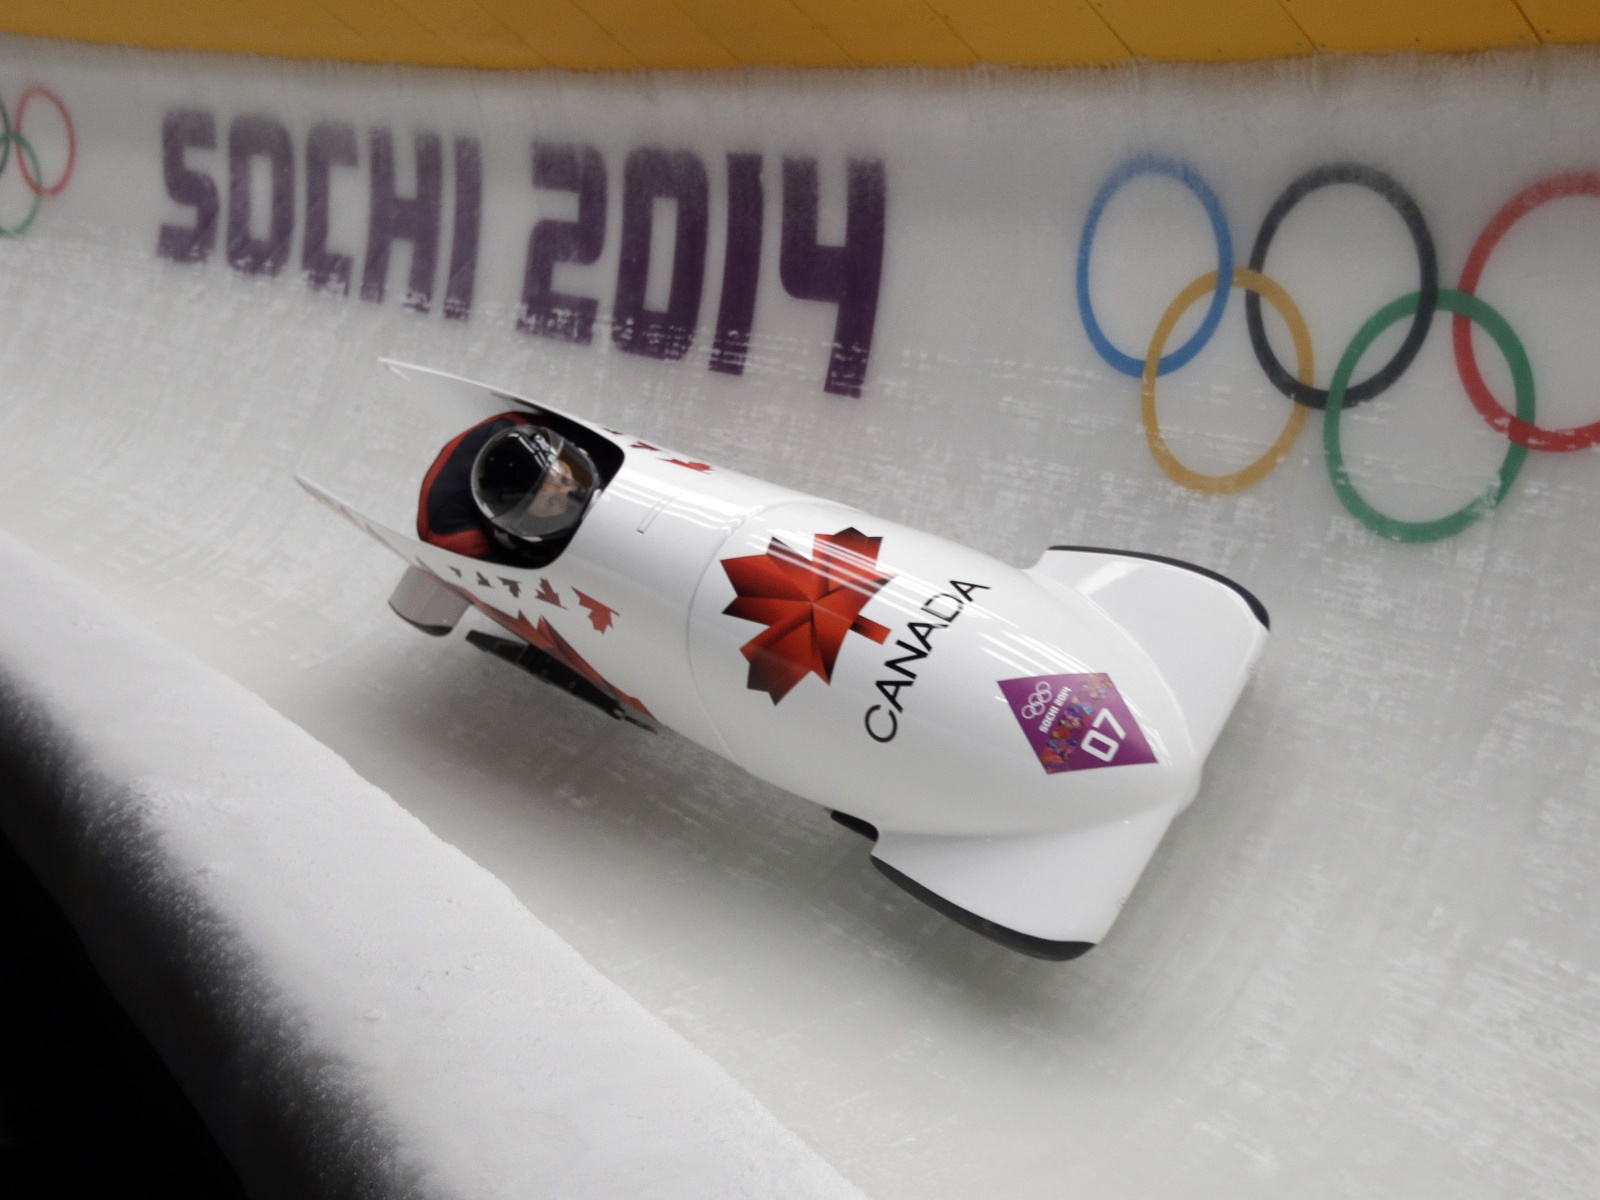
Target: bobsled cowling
1018 740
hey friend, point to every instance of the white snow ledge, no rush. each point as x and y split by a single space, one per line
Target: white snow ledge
355 1007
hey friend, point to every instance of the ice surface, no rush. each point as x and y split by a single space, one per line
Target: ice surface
1365 963
357 1007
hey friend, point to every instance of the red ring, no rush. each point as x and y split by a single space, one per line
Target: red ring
72 141
1523 433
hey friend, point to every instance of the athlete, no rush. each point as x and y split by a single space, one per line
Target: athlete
505 490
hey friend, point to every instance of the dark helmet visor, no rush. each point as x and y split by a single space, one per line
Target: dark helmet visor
532 484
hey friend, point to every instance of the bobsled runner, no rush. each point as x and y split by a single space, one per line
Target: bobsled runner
1015 742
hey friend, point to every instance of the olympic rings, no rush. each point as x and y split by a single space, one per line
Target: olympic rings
1465 306
1427 263
1151 164
1467 309
38 197
1522 432
1038 701
31 178
28 158
1254 284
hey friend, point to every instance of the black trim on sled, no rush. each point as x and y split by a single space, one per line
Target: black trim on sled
1244 593
855 824
552 671
1022 943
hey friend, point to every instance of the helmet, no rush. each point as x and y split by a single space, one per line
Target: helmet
532 484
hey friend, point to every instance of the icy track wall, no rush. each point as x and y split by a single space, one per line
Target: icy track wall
1366 962
356 1008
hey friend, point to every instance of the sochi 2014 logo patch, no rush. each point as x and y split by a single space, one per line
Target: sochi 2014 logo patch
1076 722
808 605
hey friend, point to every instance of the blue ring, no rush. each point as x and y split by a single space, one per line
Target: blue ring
1154 164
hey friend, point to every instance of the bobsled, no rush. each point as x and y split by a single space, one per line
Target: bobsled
1014 742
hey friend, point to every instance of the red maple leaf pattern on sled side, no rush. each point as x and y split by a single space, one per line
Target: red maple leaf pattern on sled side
543 636
807 605
600 615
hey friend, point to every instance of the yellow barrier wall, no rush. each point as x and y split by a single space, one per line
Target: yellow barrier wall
611 34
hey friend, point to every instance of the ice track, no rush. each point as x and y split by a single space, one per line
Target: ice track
1366 963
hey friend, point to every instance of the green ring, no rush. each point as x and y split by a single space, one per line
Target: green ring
1516 357
10 136
5 124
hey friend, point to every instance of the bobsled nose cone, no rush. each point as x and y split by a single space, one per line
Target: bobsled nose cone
1049 894
1203 631
1011 939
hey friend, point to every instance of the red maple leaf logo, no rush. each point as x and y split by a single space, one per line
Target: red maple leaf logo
548 594
693 466
599 614
807 605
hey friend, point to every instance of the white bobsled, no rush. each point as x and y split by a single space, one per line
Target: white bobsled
1016 742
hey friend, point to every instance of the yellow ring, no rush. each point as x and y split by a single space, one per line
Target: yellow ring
1218 485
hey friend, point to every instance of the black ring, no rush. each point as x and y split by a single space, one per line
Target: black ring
1428 292
5 155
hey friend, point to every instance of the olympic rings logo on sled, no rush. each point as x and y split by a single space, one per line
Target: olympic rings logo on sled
15 146
1462 302
1043 693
